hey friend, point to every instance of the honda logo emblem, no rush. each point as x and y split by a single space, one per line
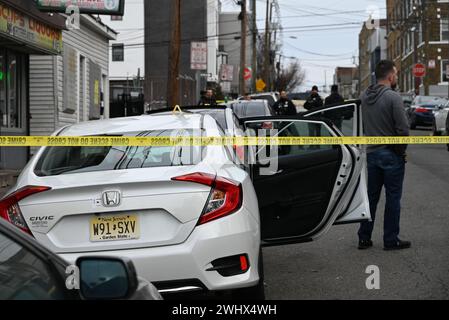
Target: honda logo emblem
111 199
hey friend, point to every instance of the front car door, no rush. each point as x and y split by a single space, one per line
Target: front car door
304 190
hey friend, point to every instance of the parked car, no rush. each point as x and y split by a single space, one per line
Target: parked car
271 97
407 99
441 115
29 271
421 111
190 218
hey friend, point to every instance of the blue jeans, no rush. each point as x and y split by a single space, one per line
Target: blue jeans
385 168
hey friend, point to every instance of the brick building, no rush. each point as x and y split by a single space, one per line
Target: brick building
418 32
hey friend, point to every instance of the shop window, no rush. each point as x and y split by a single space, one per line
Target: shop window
11 82
3 109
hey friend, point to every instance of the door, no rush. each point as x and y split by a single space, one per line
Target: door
348 121
304 190
13 106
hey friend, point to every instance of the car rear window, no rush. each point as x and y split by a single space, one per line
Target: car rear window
69 160
250 109
270 99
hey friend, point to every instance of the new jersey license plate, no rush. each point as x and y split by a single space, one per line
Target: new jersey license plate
114 228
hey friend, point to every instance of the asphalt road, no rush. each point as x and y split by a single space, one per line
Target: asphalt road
333 268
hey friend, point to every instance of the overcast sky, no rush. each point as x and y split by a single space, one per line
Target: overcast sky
322 35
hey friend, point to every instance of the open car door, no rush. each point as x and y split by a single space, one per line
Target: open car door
304 190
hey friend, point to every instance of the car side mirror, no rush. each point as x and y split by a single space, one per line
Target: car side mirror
104 278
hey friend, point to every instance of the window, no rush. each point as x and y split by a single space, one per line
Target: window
118 52
24 275
444 67
3 109
445 29
69 160
11 91
82 88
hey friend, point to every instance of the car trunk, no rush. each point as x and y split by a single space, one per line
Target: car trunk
153 209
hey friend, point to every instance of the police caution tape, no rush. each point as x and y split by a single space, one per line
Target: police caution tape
36 141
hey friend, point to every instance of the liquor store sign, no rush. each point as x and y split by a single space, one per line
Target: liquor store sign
106 7
19 27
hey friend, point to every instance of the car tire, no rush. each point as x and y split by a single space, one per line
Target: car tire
412 125
253 293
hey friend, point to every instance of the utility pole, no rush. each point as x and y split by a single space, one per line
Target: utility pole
243 47
174 55
415 47
266 64
254 56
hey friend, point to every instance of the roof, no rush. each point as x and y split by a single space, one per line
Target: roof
135 124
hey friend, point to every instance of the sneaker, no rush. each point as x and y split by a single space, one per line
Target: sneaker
365 244
399 245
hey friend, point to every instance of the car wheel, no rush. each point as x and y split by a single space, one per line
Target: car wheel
253 293
412 124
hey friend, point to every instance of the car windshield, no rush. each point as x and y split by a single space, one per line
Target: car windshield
69 160
434 101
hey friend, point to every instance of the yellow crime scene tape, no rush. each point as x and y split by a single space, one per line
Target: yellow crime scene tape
97 141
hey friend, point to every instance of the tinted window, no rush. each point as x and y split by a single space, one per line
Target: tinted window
270 99
25 276
64 160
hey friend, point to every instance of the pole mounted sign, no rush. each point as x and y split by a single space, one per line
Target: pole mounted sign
198 56
419 70
105 7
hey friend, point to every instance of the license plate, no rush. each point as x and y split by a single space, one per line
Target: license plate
114 228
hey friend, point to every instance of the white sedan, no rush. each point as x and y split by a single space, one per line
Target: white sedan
441 118
190 218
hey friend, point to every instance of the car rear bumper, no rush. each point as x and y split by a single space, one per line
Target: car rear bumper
186 264
424 119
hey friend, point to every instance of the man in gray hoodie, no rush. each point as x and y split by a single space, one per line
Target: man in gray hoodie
384 115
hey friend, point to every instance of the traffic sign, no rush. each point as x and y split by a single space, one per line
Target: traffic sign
248 74
419 70
260 85
198 56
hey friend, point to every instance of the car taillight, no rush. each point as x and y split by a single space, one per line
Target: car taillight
225 197
10 210
421 110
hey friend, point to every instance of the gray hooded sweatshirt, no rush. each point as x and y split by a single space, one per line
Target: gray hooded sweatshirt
383 114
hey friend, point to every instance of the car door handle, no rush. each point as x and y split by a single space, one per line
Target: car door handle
277 172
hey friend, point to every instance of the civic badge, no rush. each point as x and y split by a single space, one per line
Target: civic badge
111 199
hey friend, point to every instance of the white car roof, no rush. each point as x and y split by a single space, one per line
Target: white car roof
136 124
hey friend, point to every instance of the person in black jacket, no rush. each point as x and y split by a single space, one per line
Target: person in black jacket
285 106
314 101
208 100
335 99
